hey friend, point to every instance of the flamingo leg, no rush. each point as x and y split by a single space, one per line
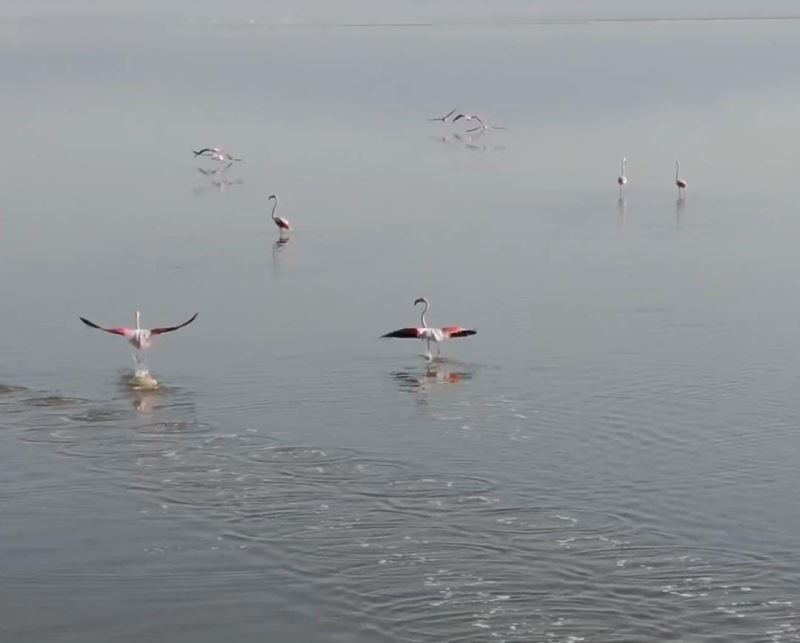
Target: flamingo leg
428 349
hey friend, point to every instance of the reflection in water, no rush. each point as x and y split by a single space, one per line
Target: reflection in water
679 205
437 374
142 389
622 208
216 180
470 140
277 248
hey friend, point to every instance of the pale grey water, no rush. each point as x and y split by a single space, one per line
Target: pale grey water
613 457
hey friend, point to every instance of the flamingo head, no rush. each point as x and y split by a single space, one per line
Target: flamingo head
421 300
272 196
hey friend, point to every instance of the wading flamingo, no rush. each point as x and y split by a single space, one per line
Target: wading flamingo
215 153
679 181
622 180
139 337
283 224
428 334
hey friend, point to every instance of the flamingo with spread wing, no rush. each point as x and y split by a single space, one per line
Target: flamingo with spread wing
140 338
429 334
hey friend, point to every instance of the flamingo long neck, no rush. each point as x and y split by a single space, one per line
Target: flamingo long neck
138 322
422 319
623 166
274 206
677 170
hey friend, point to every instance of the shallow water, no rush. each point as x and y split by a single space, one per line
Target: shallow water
613 456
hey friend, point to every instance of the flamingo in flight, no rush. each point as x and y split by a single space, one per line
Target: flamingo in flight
679 181
443 119
283 224
472 117
215 153
139 337
622 180
429 334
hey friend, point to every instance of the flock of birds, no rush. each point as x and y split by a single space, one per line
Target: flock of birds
622 179
140 338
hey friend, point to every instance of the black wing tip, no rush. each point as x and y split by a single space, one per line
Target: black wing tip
465 333
403 333
88 323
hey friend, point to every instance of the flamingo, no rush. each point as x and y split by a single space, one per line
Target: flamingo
140 338
283 224
482 126
471 117
215 153
443 119
679 181
429 334
622 180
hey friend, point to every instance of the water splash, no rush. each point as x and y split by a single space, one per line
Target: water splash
142 379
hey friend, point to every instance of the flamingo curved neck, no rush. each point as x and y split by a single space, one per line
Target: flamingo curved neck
422 319
274 206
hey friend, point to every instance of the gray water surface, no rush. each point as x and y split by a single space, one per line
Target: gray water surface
612 458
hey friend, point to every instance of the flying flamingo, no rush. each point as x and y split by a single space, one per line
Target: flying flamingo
140 338
428 334
481 127
443 119
622 180
471 117
215 153
283 224
679 181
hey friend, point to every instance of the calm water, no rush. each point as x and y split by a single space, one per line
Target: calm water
613 457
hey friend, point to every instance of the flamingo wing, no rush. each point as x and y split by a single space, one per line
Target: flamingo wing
405 333
169 329
125 332
457 331
282 223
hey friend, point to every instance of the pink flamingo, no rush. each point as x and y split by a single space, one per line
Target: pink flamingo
139 337
428 334
679 181
622 180
283 224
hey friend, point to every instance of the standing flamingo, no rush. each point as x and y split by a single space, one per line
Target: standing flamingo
679 181
428 334
622 180
139 338
283 224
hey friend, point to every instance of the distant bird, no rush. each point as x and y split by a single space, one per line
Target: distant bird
622 180
428 334
443 119
482 125
139 337
283 224
215 153
471 117
679 181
